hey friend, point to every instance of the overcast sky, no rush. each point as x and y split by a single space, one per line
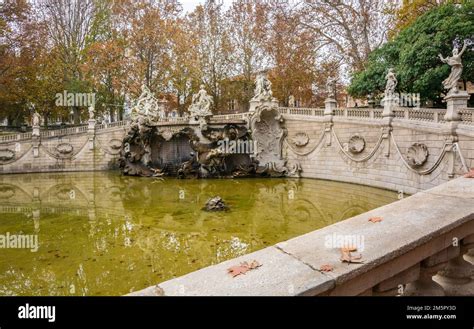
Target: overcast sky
189 5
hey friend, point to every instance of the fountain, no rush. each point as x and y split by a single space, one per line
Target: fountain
207 146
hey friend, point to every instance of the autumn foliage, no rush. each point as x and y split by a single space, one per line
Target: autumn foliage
111 48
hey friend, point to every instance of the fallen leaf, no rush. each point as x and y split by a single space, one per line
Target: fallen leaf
237 270
348 249
375 219
347 257
254 264
243 268
470 174
326 268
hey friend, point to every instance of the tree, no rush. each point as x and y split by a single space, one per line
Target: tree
349 30
414 54
410 10
184 65
248 27
294 57
213 46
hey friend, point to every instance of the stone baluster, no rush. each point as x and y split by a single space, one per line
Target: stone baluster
469 256
395 285
456 278
425 285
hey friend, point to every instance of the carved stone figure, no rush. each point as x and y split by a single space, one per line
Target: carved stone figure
147 108
91 112
331 87
201 103
36 119
263 89
451 82
391 83
291 101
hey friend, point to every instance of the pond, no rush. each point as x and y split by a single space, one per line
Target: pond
106 234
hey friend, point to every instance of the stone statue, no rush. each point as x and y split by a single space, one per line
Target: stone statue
331 87
36 119
91 112
451 83
263 88
291 101
201 103
391 83
147 108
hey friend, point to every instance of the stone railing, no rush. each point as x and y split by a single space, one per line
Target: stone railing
115 124
15 137
429 232
229 118
64 131
419 114
301 111
467 116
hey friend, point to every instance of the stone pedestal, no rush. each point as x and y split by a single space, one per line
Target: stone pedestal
255 103
455 102
36 140
36 131
330 106
91 133
389 104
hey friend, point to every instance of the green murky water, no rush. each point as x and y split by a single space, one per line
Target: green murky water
104 234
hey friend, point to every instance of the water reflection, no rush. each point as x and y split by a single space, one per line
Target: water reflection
104 234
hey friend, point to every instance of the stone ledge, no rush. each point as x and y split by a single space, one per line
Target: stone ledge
418 227
279 275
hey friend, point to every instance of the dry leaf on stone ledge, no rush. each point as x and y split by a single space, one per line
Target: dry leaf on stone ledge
470 174
243 268
348 249
348 257
326 268
375 219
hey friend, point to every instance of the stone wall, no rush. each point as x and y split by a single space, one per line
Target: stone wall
353 145
379 157
78 151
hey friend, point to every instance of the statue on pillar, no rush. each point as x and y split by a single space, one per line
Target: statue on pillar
291 101
331 87
35 122
201 104
391 83
263 89
91 110
451 82
36 119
